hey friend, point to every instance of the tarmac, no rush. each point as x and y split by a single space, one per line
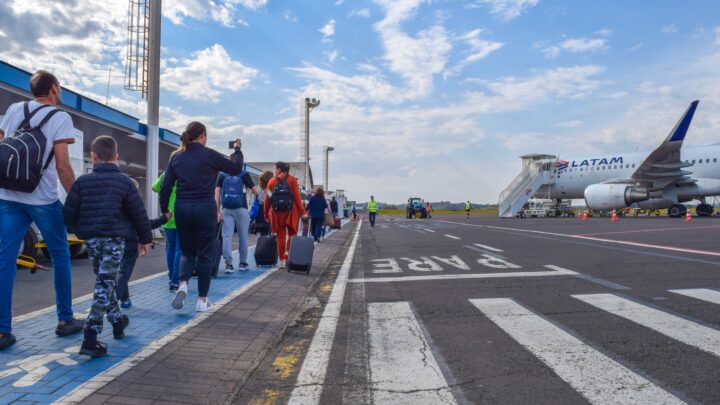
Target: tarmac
446 310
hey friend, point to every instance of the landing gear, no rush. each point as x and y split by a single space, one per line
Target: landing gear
704 210
677 211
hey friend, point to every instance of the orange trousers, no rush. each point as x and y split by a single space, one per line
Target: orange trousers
284 235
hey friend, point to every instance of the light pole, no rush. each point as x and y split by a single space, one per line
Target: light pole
310 104
327 151
153 107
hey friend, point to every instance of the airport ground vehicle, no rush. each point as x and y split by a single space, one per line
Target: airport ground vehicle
415 208
540 208
33 243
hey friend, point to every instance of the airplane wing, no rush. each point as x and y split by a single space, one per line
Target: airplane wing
663 166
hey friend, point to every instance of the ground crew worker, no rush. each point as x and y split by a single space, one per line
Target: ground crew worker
372 211
429 209
468 207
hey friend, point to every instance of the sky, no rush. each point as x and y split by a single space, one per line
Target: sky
436 99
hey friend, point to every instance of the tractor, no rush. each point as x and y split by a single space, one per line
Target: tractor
416 208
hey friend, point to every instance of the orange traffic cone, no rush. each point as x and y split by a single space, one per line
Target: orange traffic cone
688 217
614 216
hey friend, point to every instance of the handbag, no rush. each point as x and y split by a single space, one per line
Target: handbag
255 209
329 220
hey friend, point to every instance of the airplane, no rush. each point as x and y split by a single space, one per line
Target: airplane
654 180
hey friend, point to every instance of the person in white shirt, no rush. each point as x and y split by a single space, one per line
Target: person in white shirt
42 205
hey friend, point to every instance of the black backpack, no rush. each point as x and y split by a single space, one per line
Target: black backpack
21 154
282 199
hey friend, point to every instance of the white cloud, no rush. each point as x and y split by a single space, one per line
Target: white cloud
570 124
479 49
206 75
605 32
669 29
574 45
415 58
339 2
251 4
360 12
328 30
332 55
288 16
507 10
717 36
221 11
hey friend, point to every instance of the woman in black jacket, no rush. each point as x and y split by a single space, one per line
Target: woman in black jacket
195 168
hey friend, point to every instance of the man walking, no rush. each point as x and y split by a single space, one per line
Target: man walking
468 207
372 210
40 203
334 207
231 195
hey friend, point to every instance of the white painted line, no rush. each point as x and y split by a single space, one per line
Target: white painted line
429 230
402 368
621 242
600 379
83 391
675 327
557 271
703 294
452 237
311 377
486 247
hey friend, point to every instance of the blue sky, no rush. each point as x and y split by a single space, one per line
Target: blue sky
429 98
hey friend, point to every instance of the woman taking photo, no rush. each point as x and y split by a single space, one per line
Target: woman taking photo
193 170
284 208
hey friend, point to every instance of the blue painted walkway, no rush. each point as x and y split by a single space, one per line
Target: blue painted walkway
41 367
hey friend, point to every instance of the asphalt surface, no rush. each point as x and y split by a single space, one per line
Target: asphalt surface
562 311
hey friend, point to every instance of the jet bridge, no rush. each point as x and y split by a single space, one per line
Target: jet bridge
538 170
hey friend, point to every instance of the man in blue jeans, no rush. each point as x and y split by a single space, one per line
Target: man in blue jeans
19 209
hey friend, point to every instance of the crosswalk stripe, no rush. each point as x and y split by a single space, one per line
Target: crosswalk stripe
600 379
452 237
490 248
402 368
675 327
703 294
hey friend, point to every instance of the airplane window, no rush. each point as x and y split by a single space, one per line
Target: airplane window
627 166
615 167
714 160
693 161
633 165
707 160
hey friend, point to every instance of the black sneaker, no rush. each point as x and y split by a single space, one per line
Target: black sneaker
93 348
244 265
6 340
229 269
173 287
67 328
119 327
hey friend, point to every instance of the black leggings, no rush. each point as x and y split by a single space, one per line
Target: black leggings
196 224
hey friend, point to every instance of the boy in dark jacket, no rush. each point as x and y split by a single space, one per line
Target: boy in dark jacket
103 208
129 259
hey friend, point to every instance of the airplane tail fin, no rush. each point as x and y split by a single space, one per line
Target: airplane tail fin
678 133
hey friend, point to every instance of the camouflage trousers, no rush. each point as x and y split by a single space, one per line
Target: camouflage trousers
106 256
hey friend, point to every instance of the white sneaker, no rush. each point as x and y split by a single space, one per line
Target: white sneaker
179 301
204 306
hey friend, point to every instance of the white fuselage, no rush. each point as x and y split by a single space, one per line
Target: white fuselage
572 179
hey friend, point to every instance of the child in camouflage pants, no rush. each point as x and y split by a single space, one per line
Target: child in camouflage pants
103 208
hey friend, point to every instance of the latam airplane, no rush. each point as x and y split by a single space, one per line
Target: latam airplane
664 178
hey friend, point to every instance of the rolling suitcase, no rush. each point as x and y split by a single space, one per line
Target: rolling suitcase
217 252
337 224
266 251
301 254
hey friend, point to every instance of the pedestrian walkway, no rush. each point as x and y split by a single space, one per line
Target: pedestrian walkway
42 368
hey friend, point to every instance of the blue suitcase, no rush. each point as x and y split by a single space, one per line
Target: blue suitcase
301 253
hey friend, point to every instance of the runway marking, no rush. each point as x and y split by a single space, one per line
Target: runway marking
600 379
452 237
651 230
675 327
402 368
602 282
429 230
311 378
621 242
703 294
556 271
486 247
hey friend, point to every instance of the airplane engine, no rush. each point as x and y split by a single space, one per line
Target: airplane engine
612 196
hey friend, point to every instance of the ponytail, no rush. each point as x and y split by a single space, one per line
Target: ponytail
192 132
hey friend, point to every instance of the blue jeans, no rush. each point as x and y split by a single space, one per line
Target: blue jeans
316 224
15 219
173 253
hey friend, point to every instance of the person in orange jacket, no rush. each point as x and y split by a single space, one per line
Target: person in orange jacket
284 209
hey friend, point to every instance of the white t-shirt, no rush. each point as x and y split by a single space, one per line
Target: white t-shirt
59 129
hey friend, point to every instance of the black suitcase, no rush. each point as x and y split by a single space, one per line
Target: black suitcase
301 253
266 251
217 252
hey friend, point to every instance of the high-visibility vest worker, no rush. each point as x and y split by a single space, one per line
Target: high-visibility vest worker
468 206
373 206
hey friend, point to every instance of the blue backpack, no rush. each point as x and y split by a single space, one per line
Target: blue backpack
233 192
